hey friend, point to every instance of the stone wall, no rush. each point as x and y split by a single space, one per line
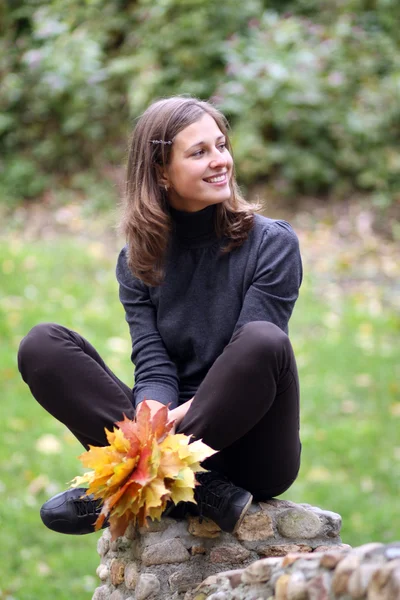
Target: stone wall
170 558
369 572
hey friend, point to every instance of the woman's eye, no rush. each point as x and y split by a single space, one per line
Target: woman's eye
221 148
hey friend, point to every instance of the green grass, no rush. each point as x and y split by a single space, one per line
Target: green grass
347 349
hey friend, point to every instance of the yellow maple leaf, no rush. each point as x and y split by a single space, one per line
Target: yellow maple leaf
143 468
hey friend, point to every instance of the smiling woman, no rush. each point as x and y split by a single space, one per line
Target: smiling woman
208 287
178 147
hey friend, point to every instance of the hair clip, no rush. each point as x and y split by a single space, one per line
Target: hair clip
160 142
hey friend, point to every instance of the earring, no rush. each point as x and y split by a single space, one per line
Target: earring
166 188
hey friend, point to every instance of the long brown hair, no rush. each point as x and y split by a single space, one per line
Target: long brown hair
146 221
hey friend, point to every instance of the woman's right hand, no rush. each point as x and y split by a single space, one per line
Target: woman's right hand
177 414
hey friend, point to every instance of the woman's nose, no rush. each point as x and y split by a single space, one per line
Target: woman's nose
218 160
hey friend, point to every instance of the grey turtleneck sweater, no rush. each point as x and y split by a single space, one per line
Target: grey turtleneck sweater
180 327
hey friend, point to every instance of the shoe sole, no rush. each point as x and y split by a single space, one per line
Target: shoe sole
243 514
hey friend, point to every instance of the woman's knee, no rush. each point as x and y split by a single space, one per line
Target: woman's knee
39 345
262 338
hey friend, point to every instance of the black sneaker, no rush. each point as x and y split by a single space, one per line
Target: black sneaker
71 512
221 501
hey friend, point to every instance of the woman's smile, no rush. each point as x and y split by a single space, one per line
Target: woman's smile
218 180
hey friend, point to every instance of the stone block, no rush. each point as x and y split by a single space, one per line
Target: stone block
117 595
282 549
185 578
281 586
234 577
334 547
117 569
101 593
170 551
297 587
330 558
147 585
102 572
385 582
343 572
255 527
260 571
198 549
103 546
330 522
205 528
229 553
392 551
318 587
298 523
359 580
131 575
367 551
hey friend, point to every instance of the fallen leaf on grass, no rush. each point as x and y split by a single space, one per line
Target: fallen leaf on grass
48 444
394 409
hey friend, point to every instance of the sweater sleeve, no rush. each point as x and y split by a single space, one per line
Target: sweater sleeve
277 278
155 373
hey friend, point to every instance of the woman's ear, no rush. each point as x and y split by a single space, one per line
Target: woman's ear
162 177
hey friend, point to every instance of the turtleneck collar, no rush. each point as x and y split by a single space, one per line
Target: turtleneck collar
195 229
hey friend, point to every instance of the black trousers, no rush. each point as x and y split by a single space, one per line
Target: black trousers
247 407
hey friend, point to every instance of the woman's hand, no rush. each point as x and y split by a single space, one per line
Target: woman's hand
177 414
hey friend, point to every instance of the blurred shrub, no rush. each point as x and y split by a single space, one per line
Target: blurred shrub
315 107
312 88
60 111
179 46
74 71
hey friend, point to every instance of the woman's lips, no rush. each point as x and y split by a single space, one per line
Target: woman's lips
217 180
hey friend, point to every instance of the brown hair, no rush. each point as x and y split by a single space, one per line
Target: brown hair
146 221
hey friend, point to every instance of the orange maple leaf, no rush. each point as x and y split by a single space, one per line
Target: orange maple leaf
142 469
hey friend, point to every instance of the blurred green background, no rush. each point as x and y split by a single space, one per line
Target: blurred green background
312 91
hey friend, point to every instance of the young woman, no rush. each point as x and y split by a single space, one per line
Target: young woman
208 288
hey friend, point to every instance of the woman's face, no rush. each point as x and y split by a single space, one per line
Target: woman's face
201 167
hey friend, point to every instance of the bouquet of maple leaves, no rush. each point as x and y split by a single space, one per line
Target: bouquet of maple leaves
144 467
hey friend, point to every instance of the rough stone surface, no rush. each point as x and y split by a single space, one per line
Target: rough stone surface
299 523
171 558
229 553
147 585
117 595
256 527
117 569
364 573
170 551
102 593
102 572
282 549
103 545
297 587
204 529
131 575
185 578
318 587
261 570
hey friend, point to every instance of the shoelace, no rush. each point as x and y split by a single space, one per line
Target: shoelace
214 494
86 506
